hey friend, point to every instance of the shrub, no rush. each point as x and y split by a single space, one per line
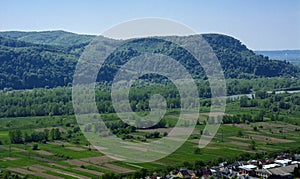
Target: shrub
197 151
35 147
240 134
165 134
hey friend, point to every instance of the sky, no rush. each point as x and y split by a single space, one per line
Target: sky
259 24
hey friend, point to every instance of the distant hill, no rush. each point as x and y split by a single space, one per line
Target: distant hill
39 59
49 37
292 56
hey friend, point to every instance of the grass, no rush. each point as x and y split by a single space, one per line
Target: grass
4 137
68 153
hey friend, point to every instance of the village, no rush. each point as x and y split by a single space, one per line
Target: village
284 166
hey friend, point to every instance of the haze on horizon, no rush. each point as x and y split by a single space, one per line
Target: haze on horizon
261 25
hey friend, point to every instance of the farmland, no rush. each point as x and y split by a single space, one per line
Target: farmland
71 155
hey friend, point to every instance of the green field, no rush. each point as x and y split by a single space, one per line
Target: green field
71 156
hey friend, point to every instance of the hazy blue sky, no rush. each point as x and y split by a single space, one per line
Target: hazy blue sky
260 24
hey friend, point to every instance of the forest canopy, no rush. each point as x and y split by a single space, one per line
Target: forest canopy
48 59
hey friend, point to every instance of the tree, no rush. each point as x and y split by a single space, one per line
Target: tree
156 134
244 101
46 134
240 134
16 137
27 137
55 134
199 163
35 147
165 134
76 129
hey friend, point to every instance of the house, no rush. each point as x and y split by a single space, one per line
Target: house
283 156
248 169
183 173
295 162
204 172
263 173
283 162
252 162
297 157
273 165
226 171
284 172
235 166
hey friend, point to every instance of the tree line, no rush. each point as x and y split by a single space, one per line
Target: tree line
58 101
19 137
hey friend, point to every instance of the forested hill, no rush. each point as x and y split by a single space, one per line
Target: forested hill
49 37
48 59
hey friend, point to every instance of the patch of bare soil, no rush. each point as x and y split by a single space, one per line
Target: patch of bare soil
116 168
29 170
57 165
76 162
21 171
60 171
12 148
239 143
43 152
91 147
98 160
9 159
77 149
39 172
43 159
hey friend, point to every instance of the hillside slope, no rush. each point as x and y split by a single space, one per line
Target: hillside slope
49 37
39 59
